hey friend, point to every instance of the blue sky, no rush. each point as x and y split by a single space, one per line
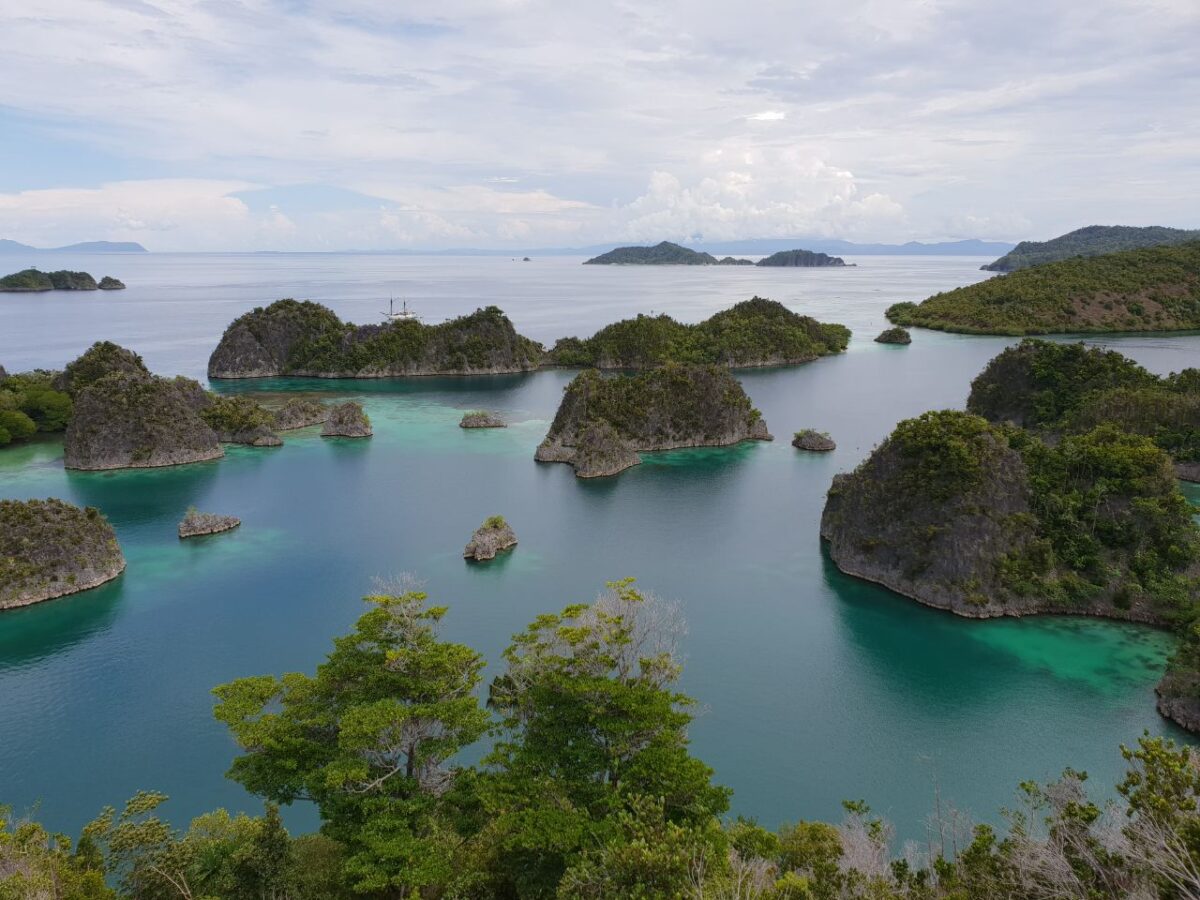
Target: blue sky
373 124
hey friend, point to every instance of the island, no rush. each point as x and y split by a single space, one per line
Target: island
755 332
300 412
802 259
240 420
987 520
303 338
481 419
493 536
35 281
1093 240
895 335
347 420
196 524
604 421
49 548
1058 388
813 441
1153 289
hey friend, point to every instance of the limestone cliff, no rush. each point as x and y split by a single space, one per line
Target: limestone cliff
493 536
347 420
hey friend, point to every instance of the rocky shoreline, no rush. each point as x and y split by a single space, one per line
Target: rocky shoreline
196 524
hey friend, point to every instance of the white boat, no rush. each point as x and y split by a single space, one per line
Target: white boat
404 315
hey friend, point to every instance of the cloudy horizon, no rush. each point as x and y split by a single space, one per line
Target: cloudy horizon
293 125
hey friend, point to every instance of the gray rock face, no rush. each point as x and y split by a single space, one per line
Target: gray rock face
481 419
241 355
347 420
300 412
49 549
489 539
815 441
126 420
196 523
598 450
1187 471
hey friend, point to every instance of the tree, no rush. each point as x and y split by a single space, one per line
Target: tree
367 739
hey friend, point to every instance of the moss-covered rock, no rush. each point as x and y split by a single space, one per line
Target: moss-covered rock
481 419
196 524
347 420
108 283
49 548
102 358
300 412
490 538
240 420
127 420
603 421
813 441
756 332
305 338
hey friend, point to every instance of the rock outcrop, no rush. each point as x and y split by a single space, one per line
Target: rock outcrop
108 283
102 358
49 548
347 420
896 335
307 339
603 422
816 441
493 536
195 524
240 420
300 412
128 420
481 419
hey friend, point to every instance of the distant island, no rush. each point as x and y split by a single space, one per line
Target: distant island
669 254
36 281
303 338
603 421
1093 240
7 246
755 332
1152 289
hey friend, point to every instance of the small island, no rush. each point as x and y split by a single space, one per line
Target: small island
307 339
49 548
481 419
813 441
36 281
1093 240
800 259
196 524
490 538
603 421
667 253
300 412
753 333
1152 289
347 420
240 420
896 335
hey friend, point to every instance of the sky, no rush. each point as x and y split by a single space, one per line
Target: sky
386 124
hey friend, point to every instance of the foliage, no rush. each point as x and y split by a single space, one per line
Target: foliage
101 359
1090 241
30 399
494 522
804 258
35 864
664 253
1153 289
26 280
753 332
233 415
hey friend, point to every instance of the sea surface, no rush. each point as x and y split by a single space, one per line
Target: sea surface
814 687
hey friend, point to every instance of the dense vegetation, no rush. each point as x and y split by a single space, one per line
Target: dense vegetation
61 280
589 790
751 333
662 254
1058 387
801 259
304 338
1093 240
29 404
1154 289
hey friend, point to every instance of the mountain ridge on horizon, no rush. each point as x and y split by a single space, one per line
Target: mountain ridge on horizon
11 246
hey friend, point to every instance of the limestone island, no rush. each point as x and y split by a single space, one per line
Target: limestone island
1054 389
604 421
36 281
49 549
291 337
800 259
300 412
490 538
895 335
195 523
1152 289
667 253
986 520
813 441
347 420
1093 240
481 419
755 332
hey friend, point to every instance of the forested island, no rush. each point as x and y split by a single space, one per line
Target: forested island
587 790
755 332
1154 289
669 254
35 281
1093 240
49 549
291 337
603 421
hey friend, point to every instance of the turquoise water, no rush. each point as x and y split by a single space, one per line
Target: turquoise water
814 687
